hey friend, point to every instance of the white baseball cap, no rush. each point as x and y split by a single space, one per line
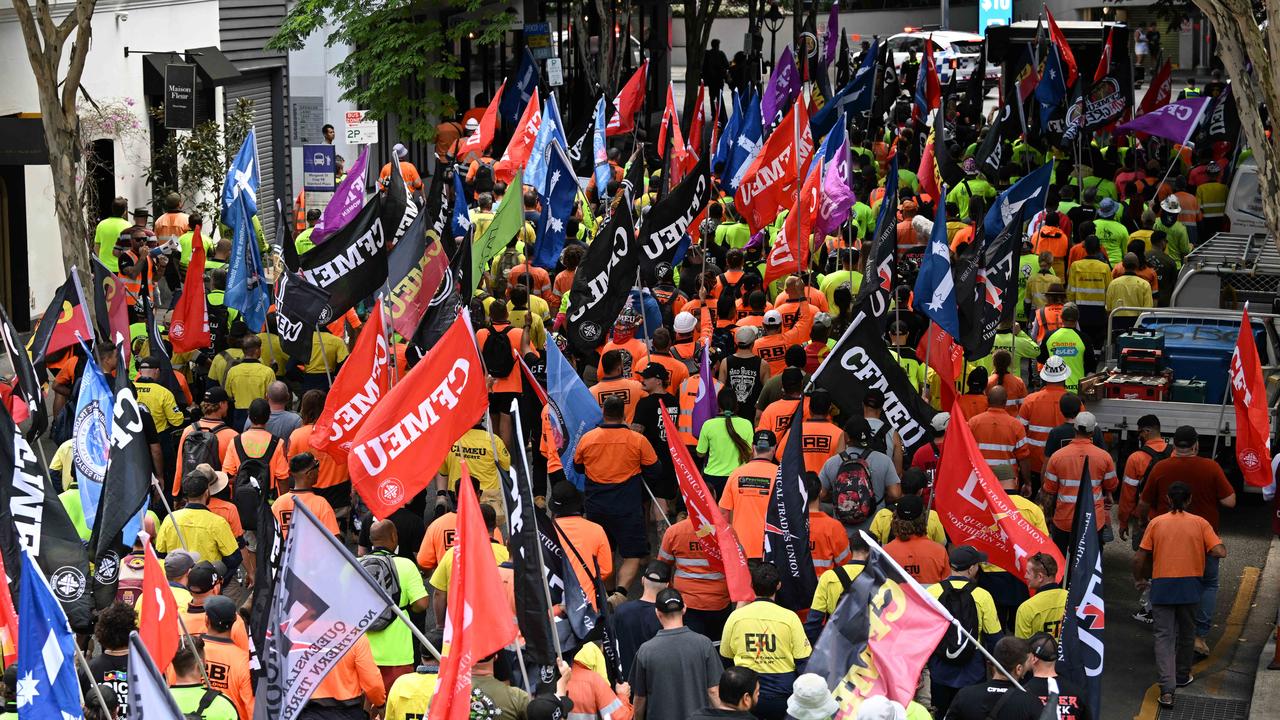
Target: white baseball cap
1086 421
773 317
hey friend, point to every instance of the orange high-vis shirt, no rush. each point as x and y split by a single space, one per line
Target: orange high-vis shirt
1001 439
924 559
828 542
282 508
817 299
228 668
539 280
331 471
354 675
255 442
703 587
773 348
1015 390
677 371
441 535
592 544
613 454
197 623
1135 468
1039 415
778 415
746 496
225 434
1178 543
1062 476
793 310
632 351
229 512
628 390
514 382
820 439
547 443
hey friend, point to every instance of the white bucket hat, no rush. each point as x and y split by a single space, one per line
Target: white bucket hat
1055 370
810 699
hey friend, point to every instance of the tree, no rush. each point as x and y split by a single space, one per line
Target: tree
1248 53
400 50
46 42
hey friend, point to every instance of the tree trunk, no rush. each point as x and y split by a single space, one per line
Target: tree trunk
1242 43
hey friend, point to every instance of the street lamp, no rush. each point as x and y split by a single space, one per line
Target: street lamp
773 21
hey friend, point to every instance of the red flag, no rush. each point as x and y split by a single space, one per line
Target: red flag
670 118
946 358
479 621
719 544
411 297
479 140
1253 423
158 613
769 183
1067 58
516 156
927 173
402 442
976 511
1028 77
627 103
1104 63
8 621
189 328
361 382
933 82
791 249
1159 91
699 119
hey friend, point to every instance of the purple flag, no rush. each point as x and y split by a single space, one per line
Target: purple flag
346 202
1175 121
784 86
837 198
832 38
704 406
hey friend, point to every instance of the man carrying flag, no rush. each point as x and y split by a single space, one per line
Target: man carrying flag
247 287
1080 656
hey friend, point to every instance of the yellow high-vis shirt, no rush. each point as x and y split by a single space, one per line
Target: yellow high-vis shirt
765 637
830 587
1042 612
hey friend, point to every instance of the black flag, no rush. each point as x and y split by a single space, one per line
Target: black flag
284 236
862 360
786 524
964 273
1109 97
269 552
398 210
155 336
28 385
882 251
352 263
990 155
300 307
124 488
666 226
996 288
32 517
604 278
580 152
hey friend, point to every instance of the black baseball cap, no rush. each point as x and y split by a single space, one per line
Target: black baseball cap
658 572
764 440
1185 437
655 370
548 707
205 575
873 398
910 507
220 610
151 362
216 394
302 462
669 600
963 557
565 498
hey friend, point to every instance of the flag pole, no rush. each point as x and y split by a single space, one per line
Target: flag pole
938 608
164 499
1222 413
93 684
328 372
542 568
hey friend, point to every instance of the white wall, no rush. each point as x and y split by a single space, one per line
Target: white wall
160 25
309 77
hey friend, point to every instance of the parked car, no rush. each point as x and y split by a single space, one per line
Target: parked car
955 52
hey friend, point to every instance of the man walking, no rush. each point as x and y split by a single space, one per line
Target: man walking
677 672
1063 475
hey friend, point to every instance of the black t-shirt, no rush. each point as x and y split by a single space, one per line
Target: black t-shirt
112 671
977 701
647 417
1072 704
634 624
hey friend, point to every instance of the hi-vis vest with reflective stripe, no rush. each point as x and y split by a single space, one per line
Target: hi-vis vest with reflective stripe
1087 282
1048 320
689 395
1066 344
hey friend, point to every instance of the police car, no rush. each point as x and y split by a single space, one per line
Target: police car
957 53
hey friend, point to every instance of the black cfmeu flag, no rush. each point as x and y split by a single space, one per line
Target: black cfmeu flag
964 273
1107 99
32 517
581 151
882 252
604 278
944 158
28 385
786 524
667 222
398 209
352 263
300 307
1222 120
269 552
284 236
990 154
996 288
124 488
861 360
434 208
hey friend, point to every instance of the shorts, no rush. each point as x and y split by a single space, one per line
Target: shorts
626 533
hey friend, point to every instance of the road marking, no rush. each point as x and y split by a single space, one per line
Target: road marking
1231 634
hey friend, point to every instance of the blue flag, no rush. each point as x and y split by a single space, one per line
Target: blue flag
786 524
92 439
517 93
724 146
47 684
855 97
746 146
1052 87
557 205
247 287
573 408
599 151
834 140
935 290
1080 654
460 219
1033 188
535 173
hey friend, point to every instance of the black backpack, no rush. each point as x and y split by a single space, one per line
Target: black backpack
381 566
496 352
955 648
483 180
252 483
201 446
1156 457
219 325
206 701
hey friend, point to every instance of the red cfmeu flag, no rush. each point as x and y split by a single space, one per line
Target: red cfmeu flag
946 358
719 544
791 248
396 451
189 327
158 612
8 621
627 103
1253 424
698 121
516 156
1159 91
976 511
1065 55
670 119
480 140
1104 64
769 183
361 383
479 621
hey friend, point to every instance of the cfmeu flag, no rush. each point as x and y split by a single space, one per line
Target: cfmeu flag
1081 651
189 326
360 384
976 511
769 182
414 425
480 140
47 685
1253 421
935 291
627 103
572 407
478 622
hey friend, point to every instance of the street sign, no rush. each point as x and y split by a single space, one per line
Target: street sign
180 96
994 12
317 167
537 36
555 75
360 131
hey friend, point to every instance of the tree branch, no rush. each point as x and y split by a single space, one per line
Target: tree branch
79 54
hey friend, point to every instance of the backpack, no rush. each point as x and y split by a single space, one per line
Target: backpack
509 259
482 182
201 446
252 482
1156 457
690 364
852 493
954 648
129 579
880 439
219 325
206 701
497 353
381 566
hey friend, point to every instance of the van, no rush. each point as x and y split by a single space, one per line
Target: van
1244 201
